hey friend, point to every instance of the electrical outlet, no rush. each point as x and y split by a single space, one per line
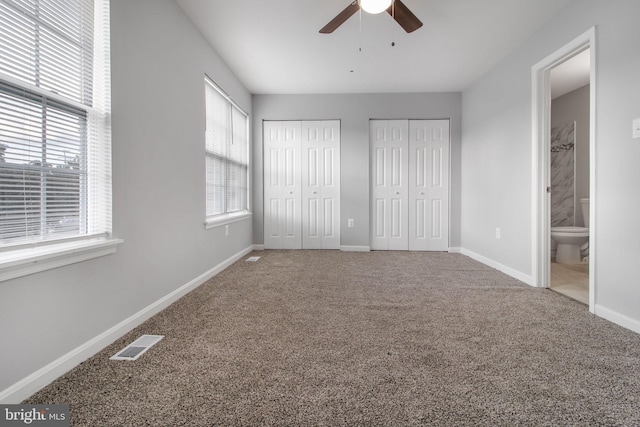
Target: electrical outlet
636 128
497 232
351 223
226 230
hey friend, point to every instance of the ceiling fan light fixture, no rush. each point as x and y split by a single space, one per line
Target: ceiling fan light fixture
399 12
375 6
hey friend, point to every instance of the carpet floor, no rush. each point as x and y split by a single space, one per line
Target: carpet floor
328 338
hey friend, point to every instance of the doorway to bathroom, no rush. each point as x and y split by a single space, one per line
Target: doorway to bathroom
569 177
563 170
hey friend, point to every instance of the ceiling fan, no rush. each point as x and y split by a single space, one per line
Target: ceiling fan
395 8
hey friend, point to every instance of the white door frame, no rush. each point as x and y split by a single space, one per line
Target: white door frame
541 124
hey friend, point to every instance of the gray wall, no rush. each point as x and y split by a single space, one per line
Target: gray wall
354 112
574 107
497 154
158 66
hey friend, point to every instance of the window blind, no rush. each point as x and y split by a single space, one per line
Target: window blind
226 147
55 164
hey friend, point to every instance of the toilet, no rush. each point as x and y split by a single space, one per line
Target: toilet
573 242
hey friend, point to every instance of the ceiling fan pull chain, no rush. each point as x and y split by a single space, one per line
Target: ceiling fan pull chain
360 30
393 27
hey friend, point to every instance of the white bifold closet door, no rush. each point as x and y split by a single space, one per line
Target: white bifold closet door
302 184
282 185
410 185
389 187
429 185
321 185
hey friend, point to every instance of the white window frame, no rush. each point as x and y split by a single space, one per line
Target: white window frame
217 220
25 258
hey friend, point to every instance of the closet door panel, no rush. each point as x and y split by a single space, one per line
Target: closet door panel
311 235
330 221
389 192
429 192
331 185
321 184
282 189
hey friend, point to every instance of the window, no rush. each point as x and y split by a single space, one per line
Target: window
43 167
227 159
55 141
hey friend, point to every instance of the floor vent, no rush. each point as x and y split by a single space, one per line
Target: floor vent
253 258
137 348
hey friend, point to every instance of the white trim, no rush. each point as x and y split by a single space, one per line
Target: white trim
224 94
593 159
21 262
224 219
455 250
347 248
45 375
258 247
541 128
617 318
503 268
44 92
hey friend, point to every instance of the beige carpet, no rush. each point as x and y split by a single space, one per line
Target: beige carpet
324 338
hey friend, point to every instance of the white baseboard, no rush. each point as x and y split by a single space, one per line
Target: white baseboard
617 318
346 248
45 375
526 278
455 250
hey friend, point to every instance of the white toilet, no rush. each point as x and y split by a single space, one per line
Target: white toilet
572 240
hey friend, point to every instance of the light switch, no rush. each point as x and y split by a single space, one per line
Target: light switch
636 128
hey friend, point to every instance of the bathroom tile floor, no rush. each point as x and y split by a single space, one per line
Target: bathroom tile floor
571 280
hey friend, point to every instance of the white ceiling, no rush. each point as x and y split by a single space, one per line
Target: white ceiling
571 74
274 46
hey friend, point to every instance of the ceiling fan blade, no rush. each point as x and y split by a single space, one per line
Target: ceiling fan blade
347 13
404 16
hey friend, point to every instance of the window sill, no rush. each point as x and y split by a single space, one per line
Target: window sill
218 220
22 262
